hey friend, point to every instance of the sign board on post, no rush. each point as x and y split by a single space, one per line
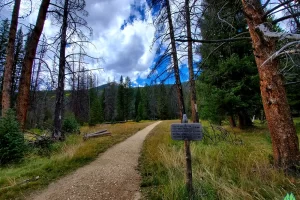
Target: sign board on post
185 131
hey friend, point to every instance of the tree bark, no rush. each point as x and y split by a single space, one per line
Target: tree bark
285 142
7 81
59 104
195 117
175 62
32 42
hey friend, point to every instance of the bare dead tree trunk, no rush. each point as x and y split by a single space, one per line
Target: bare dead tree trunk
175 62
35 98
7 81
35 86
34 89
73 93
59 104
195 117
32 42
284 138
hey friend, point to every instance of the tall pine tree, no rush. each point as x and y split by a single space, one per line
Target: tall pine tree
95 107
4 33
228 85
128 99
120 100
137 102
17 65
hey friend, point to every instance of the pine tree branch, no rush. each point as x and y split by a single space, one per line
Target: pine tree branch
214 41
286 17
276 7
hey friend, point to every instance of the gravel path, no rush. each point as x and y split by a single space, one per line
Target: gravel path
113 175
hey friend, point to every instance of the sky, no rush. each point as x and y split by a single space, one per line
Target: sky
122 37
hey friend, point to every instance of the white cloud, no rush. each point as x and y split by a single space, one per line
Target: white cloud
125 52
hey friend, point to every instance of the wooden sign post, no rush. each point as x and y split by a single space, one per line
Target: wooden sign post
187 132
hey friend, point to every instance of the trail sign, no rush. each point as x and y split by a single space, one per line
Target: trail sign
186 131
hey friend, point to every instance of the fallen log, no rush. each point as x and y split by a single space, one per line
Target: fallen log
101 131
96 134
115 122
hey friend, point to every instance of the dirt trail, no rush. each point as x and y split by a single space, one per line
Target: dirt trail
113 175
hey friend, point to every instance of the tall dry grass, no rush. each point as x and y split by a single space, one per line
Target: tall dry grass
222 170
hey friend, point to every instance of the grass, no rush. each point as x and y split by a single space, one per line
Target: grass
36 172
221 170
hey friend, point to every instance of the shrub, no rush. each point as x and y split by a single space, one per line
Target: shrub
138 118
12 142
43 144
70 125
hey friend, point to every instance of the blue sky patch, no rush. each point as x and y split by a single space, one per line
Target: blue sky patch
137 12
